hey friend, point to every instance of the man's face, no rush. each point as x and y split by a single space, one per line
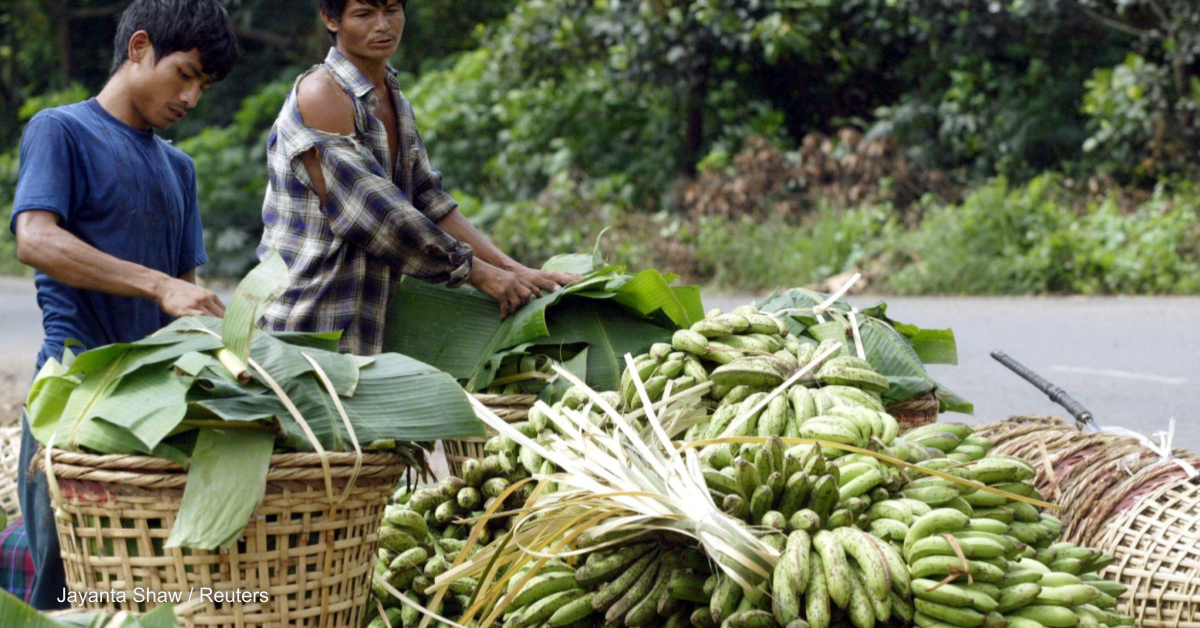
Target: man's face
369 31
165 91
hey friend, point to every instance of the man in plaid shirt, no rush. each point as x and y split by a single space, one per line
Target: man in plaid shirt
353 203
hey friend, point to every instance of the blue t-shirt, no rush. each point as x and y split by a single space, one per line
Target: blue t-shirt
124 191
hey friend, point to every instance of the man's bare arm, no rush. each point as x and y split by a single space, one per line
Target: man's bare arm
457 225
324 107
46 246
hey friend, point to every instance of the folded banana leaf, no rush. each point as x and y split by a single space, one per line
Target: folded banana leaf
612 313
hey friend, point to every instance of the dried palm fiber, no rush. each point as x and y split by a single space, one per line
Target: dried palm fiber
1121 497
312 559
511 408
10 454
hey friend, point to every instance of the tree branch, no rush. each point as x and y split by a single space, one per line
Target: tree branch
1162 15
1113 23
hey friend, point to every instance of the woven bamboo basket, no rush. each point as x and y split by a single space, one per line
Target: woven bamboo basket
915 412
10 455
312 560
1120 497
511 408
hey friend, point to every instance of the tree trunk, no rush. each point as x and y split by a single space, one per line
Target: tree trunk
697 101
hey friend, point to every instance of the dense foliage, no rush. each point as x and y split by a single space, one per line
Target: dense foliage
553 119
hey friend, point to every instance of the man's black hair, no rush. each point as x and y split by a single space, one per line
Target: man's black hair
180 26
333 9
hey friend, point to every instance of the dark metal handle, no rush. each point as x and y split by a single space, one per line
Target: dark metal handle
1056 394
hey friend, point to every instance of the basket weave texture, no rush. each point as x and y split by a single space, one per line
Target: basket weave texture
915 412
10 455
511 408
312 560
1120 497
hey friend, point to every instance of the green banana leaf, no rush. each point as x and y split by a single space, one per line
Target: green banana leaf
577 263
529 322
649 292
397 398
254 293
576 366
149 405
609 334
934 346
487 372
48 397
14 612
459 331
285 362
446 328
950 401
226 480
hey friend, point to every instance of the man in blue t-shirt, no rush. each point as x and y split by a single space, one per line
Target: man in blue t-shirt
106 211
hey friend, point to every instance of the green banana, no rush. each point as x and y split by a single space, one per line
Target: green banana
816 596
1049 616
864 549
544 608
604 570
952 595
937 521
609 594
837 569
1017 596
965 617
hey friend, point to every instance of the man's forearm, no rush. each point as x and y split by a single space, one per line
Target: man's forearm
461 229
61 255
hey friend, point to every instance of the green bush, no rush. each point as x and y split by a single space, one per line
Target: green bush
1027 240
743 254
8 244
231 178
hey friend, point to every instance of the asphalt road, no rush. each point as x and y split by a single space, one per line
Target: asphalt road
1134 362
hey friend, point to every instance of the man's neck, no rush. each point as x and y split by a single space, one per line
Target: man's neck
114 98
374 69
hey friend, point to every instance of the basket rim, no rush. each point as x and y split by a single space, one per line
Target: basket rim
921 403
151 472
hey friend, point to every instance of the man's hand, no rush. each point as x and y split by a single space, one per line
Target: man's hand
546 280
510 289
181 298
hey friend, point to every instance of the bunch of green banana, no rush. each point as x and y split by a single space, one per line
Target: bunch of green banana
419 537
1011 582
663 365
652 581
766 485
721 337
550 597
841 414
